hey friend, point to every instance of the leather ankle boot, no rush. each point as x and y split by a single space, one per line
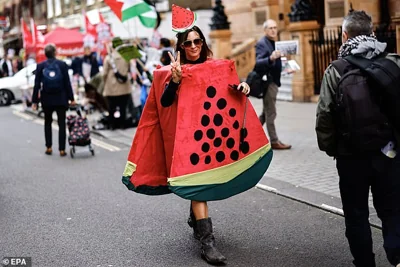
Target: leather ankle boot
192 223
208 250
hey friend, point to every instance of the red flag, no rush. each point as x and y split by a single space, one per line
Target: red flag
26 35
102 20
37 36
90 29
116 7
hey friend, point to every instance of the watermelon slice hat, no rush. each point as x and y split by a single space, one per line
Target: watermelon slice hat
182 18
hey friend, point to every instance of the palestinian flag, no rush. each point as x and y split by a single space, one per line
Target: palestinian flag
138 8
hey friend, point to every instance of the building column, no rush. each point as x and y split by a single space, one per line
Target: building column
303 80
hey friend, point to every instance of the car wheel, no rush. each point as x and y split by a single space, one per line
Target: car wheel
5 97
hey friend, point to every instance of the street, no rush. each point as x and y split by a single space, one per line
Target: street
76 212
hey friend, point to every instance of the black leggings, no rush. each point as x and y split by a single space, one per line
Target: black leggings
121 102
48 119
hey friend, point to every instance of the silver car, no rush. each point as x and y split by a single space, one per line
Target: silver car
15 88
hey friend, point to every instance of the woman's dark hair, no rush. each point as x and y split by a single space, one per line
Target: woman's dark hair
50 51
182 36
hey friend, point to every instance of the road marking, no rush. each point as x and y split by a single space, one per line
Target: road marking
332 209
22 115
95 142
105 145
266 188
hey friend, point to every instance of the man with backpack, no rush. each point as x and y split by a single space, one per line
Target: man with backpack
52 80
358 123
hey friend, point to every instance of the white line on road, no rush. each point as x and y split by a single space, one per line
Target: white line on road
104 145
22 115
266 188
332 209
95 142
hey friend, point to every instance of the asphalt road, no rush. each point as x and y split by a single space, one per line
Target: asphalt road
76 212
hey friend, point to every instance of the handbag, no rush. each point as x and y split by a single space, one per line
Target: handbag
258 86
118 76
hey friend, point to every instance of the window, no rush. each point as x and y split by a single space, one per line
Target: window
260 16
336 9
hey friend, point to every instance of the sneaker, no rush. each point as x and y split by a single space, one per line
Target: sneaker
280 145
63 153
48 151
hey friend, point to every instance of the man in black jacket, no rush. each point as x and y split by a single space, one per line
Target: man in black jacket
268 62
361 170
51 98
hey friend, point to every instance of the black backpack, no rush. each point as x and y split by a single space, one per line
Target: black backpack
52 78
367 109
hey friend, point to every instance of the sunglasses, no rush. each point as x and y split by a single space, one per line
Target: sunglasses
196 42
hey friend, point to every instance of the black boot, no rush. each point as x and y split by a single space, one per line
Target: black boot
208 250
192 223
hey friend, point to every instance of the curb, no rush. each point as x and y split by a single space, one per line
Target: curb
311 198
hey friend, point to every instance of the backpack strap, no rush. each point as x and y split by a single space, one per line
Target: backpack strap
340 65
384 71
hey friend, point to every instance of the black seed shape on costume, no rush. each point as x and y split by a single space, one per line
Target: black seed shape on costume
207 160
205 147
194 158
232 112
207 105
225 132
217 142
210 133
230 143
217 120
205 120
221 103
245 147
245 133
220 156
211 92
198 135
235 155
236 125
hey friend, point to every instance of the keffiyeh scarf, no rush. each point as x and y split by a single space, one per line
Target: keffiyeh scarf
367 46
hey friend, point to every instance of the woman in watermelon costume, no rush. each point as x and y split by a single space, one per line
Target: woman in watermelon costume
199 136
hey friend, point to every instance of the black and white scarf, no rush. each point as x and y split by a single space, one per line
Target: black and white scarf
367 46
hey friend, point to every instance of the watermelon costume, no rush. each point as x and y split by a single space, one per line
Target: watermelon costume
195 148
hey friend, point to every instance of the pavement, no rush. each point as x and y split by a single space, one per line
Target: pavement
303 173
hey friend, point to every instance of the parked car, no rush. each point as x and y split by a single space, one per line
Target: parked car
13 89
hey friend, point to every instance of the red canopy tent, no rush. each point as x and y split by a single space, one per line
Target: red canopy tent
68 42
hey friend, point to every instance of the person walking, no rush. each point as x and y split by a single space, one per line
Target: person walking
268 63
53 89
364 142
195 134
117 86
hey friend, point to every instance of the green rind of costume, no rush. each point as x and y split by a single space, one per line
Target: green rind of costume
240 183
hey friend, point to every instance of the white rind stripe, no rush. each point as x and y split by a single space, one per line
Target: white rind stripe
332 209
266 188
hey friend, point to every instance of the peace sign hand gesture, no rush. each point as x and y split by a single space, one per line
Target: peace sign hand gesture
176 67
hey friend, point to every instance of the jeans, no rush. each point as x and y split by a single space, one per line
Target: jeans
48 119
382 174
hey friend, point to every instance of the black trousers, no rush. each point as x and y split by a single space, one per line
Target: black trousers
357 176
48 119
121 103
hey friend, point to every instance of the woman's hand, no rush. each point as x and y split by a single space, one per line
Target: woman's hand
244 87
176 67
